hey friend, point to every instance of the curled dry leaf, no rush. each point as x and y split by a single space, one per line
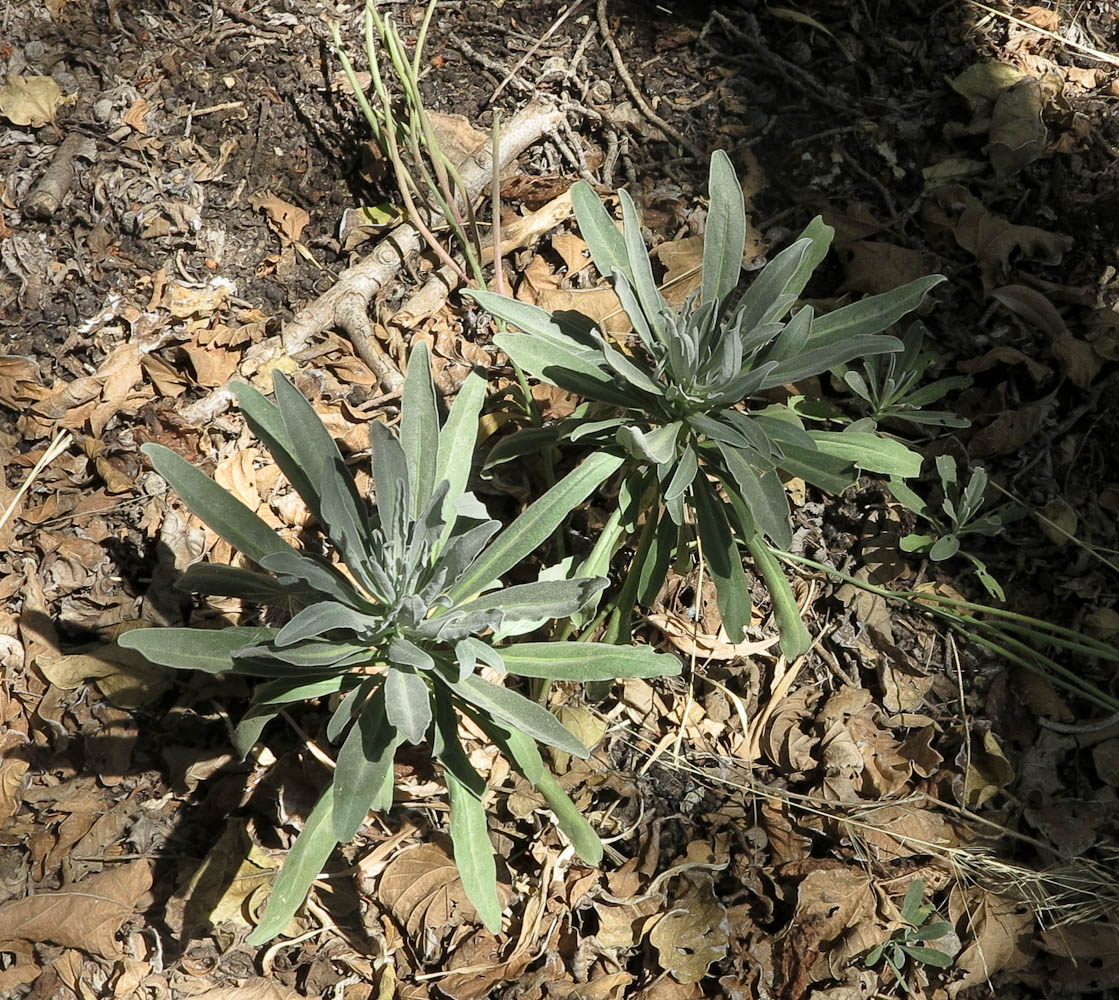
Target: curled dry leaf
124 678
1077 358
693 933
680 633
253 988
422 888
999 935
1017 133
86 915
835 912
990 238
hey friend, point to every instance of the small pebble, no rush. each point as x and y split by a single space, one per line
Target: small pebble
800 53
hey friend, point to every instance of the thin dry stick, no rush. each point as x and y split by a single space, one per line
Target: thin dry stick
498 276
1086 49
963 704
535 48
635 93
60 443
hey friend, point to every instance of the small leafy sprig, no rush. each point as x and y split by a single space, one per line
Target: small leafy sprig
908 943
399 628
959 517
674 404
888 388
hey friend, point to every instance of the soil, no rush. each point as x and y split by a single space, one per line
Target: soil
217 158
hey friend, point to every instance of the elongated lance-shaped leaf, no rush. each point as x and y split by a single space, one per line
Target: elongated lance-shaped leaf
720 553
327 616
347 524
289 690
820 357
819 236
870 452
535 525
654 567
219 509
251 725
682 475
208 650
795 640
318 574
391 480
341 509
724 240
302 866
766 300
419 427
304 656
630 371
763 492
468 826
791 341
586 661
535 601
268 698
526 758
657 445
873 314
219 580
350 705
828 472
516 710
607 246
267 424
457 441
408 704
632 308
363 775
641 270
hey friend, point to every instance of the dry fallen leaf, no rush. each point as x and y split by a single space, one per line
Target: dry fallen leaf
29 100
680 633
1077 358
254 988
285 219
693 933
125 679
422 888
85 915
222 888
989 237
999 933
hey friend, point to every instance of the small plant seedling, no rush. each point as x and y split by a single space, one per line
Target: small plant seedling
907 944
959 517
888 388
